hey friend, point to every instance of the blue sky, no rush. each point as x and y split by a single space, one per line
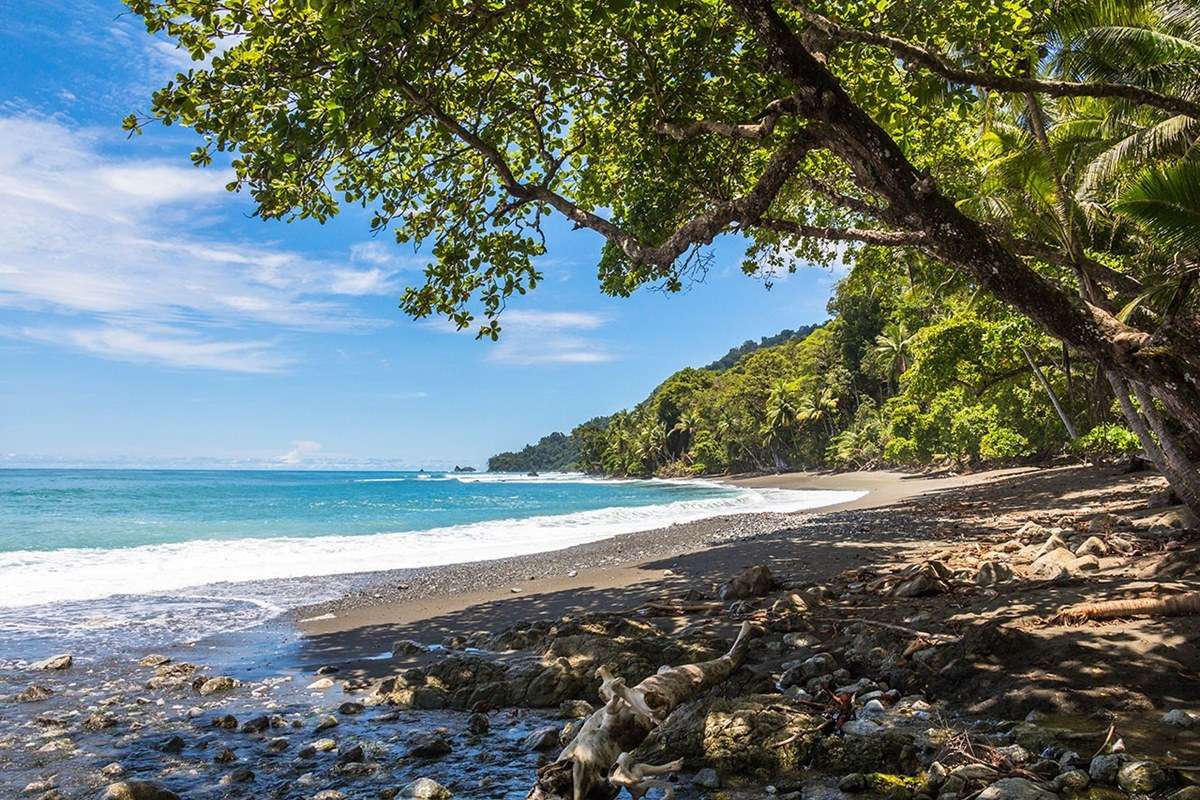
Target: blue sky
146 319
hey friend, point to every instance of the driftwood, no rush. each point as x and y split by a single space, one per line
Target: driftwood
582 770
1179 605
638 779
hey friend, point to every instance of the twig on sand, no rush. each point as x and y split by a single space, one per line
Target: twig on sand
933 638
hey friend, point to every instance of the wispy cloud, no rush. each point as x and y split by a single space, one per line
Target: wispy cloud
107 252
549 337
301 451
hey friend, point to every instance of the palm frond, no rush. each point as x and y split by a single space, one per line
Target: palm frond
1165 200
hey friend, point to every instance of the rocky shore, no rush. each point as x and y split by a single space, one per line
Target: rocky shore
958 646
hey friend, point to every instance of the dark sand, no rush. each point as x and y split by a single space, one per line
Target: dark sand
622 572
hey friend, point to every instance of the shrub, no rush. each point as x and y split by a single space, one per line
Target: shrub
1107 439
1002 442
900 450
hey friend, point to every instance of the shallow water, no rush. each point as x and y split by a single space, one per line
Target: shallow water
92 559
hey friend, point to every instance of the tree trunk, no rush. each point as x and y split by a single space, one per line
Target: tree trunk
1184 477
1062 415
880 166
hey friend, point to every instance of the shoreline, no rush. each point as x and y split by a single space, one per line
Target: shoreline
609 574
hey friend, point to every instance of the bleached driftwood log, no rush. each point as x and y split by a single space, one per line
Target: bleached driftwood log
582 770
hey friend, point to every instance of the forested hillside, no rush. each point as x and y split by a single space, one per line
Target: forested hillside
557 451
747 347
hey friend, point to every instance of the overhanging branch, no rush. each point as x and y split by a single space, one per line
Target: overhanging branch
941 65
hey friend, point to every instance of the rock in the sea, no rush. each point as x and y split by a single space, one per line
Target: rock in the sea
172 744
351 755
323 745
1141 777
35 693
321 684
1016 789
751 582
239 775
113 770
431 745
325 723
154 660
575 709
478 724
256 724
349 709
99 721
425 789
62 661
139 790
542 739
220 683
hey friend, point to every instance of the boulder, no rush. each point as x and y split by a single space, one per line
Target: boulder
138 790
753 581
62 661
1016 789
478 724
219 683
425 789
707 778
1180 718
993 573
35 693
1104 768
1092 546
407 647
546 738
1141 777
431 745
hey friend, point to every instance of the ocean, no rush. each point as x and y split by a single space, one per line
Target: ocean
89 558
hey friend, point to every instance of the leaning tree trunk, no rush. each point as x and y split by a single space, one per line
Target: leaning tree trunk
629 714
1185 474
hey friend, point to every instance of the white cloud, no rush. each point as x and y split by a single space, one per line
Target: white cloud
164 345
299 453
549 337
115 241
362 281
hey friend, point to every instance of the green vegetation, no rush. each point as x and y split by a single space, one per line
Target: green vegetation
1010 173
747 347
555 452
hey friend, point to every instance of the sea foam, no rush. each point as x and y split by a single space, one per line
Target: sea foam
30 578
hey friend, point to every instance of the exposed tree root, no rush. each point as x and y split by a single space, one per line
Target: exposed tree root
1180 605
582 770
638 779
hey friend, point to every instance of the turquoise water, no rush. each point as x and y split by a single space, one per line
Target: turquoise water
89 558
54 509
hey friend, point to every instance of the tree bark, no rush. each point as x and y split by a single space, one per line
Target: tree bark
1186 477
1062 415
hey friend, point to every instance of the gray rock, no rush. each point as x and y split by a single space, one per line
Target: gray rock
256 724
138 790
1104 768
220 683
1073 779
1016 789
34 694
854 782
239 775
1141 777
542 739
350 709
860 727
62 661
431 745
1181 718
325 723
113 770
478 724
820 664
426 789
707 778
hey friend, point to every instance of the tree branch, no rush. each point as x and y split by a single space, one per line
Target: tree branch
939 64
830 234
756 131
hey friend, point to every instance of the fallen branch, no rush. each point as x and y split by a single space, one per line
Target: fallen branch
1180 605
933 638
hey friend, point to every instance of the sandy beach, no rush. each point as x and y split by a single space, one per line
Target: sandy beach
433 604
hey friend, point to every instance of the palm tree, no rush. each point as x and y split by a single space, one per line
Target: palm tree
892 345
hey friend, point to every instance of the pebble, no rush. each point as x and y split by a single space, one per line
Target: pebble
62 661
